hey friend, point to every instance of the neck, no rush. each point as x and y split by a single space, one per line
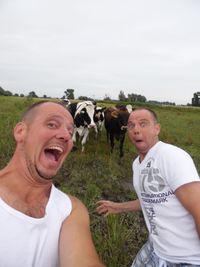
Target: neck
22 192
142 155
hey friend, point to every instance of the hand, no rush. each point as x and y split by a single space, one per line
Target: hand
106 207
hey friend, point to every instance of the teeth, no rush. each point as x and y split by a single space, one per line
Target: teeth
59 149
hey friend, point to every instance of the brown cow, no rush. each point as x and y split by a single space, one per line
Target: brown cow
116 119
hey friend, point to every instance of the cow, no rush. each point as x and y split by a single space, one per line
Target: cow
99 119
66 102
83 115
116 119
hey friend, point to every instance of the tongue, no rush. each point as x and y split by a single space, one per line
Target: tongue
50 156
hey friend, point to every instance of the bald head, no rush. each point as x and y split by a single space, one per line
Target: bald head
152 113
30 113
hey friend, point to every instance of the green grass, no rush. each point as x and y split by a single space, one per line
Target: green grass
97 174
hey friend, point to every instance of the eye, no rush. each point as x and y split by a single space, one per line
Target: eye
71 131
51 125
130 126
143 124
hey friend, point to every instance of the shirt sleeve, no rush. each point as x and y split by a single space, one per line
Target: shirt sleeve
179 167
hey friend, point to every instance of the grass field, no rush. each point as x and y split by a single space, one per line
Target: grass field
96 174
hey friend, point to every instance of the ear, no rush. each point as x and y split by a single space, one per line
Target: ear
157 128
129 108
114 114
20 131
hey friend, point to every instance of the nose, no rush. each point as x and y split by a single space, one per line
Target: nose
136 129
92 125
64 134
133 129
124 128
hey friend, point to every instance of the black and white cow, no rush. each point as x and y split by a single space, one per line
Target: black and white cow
99 119
83 114
66 102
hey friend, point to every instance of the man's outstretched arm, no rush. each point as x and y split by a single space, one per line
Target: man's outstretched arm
106 207
76 246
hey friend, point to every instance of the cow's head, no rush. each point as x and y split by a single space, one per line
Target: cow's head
99 114
85 113
121 114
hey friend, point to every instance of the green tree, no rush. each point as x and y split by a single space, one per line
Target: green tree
85 98
69 93
196 99
32 94
107 97
2 91
8 93
136 98
141 98
122 96
132 97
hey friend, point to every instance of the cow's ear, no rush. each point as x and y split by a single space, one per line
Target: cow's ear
114 114
129 108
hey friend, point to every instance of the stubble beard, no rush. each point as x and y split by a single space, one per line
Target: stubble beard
35 172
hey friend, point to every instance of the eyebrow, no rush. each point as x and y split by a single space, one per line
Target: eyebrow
60 118
143 120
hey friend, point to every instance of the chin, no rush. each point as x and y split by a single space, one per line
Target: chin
46 175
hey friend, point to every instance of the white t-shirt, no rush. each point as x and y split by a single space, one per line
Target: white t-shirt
171 227
32 242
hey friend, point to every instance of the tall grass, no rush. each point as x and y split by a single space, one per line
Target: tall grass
97 174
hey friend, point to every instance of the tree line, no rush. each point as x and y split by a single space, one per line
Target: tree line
9 93
131 97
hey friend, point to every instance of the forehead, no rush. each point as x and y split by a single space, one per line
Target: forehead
50 110
140 115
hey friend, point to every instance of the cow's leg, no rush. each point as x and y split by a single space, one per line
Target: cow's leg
74 139
121 142
84 139
80 132
107 135
96 131
111 142
100 128
74 136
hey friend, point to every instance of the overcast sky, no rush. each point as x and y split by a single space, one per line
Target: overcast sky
99 47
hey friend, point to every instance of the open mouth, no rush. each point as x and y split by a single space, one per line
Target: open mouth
53 152
138 141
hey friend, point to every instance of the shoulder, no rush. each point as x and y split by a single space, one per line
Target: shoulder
68 203
172 151
135 161
59 196
78 208
79 216
61 201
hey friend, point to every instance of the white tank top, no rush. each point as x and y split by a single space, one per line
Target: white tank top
32 242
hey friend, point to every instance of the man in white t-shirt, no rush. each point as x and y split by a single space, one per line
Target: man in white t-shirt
40 226
168 189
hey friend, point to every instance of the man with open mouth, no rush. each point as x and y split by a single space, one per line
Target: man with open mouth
167 184
40 226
